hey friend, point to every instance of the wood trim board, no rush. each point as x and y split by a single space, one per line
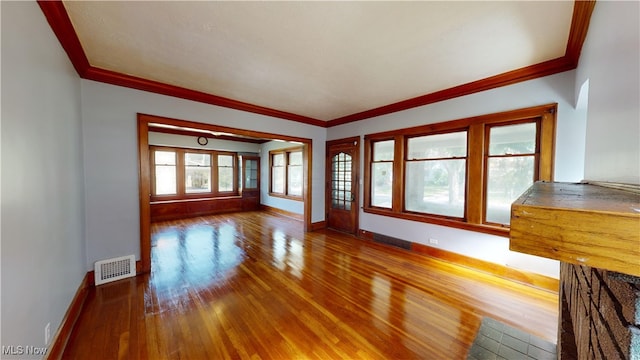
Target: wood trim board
62 27
521 276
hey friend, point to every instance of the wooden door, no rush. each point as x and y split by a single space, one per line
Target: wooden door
341 188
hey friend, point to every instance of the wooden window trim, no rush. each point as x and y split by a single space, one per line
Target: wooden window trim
285 153
476 127
536 160
367 173
181 194
234 164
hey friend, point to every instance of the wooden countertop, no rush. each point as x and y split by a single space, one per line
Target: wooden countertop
579 223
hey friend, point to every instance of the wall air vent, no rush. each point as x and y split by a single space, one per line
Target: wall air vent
114 269
388 240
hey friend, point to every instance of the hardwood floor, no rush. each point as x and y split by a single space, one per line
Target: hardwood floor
255 286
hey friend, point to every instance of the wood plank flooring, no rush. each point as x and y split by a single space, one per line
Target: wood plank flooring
255 286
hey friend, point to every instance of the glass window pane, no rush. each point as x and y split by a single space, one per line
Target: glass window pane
195 159
225 160
278 160
294 181
381 184
277 180
165 179
507 179
436 187
383 150
197 179
225 179
165 158
251 174
295 158
438 146
512 139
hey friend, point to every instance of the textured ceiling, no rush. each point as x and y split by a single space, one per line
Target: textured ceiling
321 60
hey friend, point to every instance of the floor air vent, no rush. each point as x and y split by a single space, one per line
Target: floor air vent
115 269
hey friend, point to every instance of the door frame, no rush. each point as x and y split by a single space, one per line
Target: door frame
144 172
356 179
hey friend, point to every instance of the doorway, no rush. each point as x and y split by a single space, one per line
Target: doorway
342 184
144 181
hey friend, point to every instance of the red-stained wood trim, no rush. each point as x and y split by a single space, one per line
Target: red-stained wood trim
307 162
451 125
206 134
155 119
133 82
144 185
441 220
582 10
182 209
527 73
60 339
61 25
318 226
521 276
281 212
144 192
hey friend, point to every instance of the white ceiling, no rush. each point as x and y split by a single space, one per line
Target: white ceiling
322 60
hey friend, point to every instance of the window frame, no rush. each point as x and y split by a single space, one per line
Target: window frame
152 159
183 167
181 193
286 154
216 168
368 174
406 161
476 171
487 156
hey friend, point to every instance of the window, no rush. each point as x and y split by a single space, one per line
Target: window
463 173
286 173
277 173
294 173
197 173
225 172
510 167
184 174
382 173
165 172
436 173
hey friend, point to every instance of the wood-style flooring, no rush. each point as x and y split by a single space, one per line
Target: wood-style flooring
255 286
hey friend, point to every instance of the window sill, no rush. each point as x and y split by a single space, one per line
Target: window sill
459 224
194 199
296 198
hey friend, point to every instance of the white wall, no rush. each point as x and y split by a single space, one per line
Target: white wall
43 249
111 164
610 61
296 207
569 161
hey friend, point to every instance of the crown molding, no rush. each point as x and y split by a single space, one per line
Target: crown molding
62 27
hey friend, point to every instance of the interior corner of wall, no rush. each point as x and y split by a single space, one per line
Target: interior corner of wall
582 96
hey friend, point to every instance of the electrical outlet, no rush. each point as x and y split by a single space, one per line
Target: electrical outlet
47 334
433 241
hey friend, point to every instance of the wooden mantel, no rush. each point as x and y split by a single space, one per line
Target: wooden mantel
579 223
